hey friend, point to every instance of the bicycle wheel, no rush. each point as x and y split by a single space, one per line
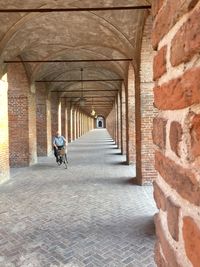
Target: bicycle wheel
65 161
59 162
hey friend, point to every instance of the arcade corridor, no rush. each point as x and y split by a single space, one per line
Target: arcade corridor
81 68
88 215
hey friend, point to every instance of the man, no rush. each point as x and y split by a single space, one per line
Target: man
58 142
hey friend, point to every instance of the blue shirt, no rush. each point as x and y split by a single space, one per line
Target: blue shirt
59 140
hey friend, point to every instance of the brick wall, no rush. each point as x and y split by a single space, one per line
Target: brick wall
130 117
42 119
49 131
111 123
54 114
176 134
4 142
32 126
63 118
123 120
119 121
148 112
22 114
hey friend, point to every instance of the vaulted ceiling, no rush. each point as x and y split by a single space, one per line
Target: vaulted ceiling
83 35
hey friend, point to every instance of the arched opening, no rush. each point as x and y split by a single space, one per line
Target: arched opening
148 111
100 122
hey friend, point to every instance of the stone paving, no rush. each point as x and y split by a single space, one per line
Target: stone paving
89 215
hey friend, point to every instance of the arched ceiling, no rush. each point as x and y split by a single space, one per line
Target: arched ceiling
87 35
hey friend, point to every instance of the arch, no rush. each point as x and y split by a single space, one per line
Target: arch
100 122
148 112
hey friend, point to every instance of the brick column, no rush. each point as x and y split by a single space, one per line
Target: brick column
68 111
130 117
74 124
4 137
119 121
111 123
22 117
77 123
123 120
176 132
43 119
63 117
54 113
148 112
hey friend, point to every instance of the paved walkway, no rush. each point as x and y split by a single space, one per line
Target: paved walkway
89 215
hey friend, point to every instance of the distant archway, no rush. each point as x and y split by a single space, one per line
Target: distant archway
100 122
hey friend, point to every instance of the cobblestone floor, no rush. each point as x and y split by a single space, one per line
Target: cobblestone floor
89 215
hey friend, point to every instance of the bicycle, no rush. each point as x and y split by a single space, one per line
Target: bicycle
62 157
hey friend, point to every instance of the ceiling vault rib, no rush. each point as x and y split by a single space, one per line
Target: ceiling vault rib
68 81
49 10
79 91
107 96
68 60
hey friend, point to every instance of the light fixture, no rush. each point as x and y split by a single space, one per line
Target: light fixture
93 112
82 99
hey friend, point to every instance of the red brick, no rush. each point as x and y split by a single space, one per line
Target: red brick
158 257
159 197
156 6
159 64
191 235
168 16
179 178
180 92
186 42
173 212
18 111
168 251
54 113
195 135
147 112
41 112
175 136
159 132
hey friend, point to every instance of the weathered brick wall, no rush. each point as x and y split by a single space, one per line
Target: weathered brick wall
119 121
32 126
148 112
63 118
130 117
22 117
42 119
54 114
176 134
123 120
4 141
68 111
49 131
111 123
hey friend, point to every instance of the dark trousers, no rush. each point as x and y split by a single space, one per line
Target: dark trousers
56 151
